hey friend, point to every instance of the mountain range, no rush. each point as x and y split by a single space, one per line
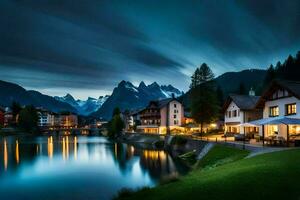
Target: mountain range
83 107
10 92
127 96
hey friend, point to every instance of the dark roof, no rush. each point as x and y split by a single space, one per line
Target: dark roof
244 102
164 102
293 87
160 103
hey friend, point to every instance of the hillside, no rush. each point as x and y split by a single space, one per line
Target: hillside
10 92
127 96
268 176
229 82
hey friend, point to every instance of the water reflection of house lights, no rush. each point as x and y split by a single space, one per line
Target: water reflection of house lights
5 157
67 146
50 147
63 149
17 152
132 149
75 148
116 149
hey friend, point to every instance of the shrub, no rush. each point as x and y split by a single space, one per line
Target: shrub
178 140
159 144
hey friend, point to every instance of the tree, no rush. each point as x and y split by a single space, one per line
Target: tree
242 89
220 95
271 74
116 124
195 78
204 101
16 108
28 119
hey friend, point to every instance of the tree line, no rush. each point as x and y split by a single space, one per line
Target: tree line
288 70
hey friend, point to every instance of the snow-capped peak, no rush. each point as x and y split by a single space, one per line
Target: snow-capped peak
84 107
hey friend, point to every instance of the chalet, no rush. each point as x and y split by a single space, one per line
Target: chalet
238 111
281 113
162 117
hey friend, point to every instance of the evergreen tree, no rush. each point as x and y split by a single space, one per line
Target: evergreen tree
195 79
116 124
28 119
242 89
220 95
204 101
270 76
16 108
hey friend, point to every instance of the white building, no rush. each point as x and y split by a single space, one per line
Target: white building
238 110
45 118
162 117
281 111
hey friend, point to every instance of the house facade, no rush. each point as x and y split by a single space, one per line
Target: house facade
68 120
281 111
45 118
162 117
238 111
48 119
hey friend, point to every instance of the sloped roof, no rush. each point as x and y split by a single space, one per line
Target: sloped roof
162 103
244 102
293 87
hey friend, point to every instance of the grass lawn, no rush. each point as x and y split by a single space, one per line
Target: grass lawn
222 174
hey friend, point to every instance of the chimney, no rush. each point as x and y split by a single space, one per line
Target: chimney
173 96
251 92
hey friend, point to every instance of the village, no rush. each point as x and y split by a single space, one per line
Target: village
272 119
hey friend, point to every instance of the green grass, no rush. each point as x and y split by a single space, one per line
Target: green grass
220 155
268 176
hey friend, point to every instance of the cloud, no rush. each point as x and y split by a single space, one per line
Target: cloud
95 44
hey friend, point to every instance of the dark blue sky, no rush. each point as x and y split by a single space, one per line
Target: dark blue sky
86 47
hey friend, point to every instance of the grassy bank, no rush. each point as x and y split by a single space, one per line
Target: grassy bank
222 174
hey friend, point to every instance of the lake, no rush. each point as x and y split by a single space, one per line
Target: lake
77 167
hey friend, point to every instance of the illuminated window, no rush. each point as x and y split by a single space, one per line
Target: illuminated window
290 109
274 111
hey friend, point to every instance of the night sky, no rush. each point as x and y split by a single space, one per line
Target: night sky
87 47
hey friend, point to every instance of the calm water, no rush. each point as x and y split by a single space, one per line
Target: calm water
79 167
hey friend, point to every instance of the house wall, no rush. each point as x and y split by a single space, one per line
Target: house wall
239 118
281 104
178 113
163 116
282 129
243 116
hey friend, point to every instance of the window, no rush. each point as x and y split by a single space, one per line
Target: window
175 122
274 111
175 106
175 116
229 114
290 109
234 113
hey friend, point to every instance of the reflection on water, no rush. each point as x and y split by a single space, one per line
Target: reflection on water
54 167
